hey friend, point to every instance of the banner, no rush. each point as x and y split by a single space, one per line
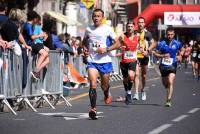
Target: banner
88 3
182 18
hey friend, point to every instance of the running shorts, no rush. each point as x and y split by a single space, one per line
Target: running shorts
166 71
103 68
143 61
127 66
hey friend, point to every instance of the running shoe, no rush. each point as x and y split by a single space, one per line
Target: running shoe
144 96
108 99
168 104
128 99
136 96
93 114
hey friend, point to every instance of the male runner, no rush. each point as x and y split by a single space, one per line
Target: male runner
145 40
98 58
129 42
170 51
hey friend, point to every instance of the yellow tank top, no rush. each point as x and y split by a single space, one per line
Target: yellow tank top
142 45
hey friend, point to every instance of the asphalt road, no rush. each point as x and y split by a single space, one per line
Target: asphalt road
141 117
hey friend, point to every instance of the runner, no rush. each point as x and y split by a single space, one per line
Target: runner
145 40
129 42
194 54
198 60
186 56
98 58
167 50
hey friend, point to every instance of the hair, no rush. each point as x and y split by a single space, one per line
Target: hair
141 18
17 15
130 22
170 28
32 15
3 6
98 10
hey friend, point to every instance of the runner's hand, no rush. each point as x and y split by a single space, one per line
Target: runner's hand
85 52
167 55
101 50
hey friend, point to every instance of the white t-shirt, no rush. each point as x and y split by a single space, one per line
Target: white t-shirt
97 37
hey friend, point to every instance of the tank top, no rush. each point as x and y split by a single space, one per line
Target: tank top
129 52
143 44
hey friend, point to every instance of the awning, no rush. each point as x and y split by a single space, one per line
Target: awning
62 18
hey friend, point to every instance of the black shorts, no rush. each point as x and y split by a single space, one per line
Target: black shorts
166 71
36 48
127 66
143 61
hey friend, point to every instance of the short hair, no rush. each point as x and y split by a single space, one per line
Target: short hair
170 28
130 22
141 18
98 10
3 6
32 15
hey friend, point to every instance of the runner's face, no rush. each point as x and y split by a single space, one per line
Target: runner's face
130 28
141 24
170 35
97 18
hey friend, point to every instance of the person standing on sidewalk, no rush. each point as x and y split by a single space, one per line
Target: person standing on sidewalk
98 58
145 40
128 65
170 51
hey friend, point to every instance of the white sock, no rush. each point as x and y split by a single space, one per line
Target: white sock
128 92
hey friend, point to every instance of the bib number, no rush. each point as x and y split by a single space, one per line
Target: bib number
129 55
194 54
167 61
198 56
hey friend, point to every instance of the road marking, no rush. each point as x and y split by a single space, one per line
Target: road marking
78 96
181 117
160 129
71 116
194 110
19 119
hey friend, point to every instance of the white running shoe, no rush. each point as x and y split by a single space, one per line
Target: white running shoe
144 96
136 96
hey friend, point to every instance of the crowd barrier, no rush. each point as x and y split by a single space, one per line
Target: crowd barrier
17 82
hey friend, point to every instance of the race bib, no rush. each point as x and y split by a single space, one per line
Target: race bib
198 56
167 61
129 55
194 54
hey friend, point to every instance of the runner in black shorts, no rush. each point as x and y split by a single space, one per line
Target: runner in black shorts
145 39
129 42
194 55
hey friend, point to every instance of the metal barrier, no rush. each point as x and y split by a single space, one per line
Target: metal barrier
12 72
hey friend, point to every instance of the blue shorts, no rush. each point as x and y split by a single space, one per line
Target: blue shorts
103 68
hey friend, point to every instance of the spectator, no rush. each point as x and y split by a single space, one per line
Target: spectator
38 48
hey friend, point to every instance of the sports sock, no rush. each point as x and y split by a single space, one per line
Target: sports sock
126 86
93 97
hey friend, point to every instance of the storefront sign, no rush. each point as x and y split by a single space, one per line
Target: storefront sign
182 18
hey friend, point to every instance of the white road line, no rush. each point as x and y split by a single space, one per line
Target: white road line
194 110
160 129
181 117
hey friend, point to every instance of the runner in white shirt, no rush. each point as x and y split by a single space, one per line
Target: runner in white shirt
99 61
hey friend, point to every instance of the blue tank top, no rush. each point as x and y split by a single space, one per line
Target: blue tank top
172 48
